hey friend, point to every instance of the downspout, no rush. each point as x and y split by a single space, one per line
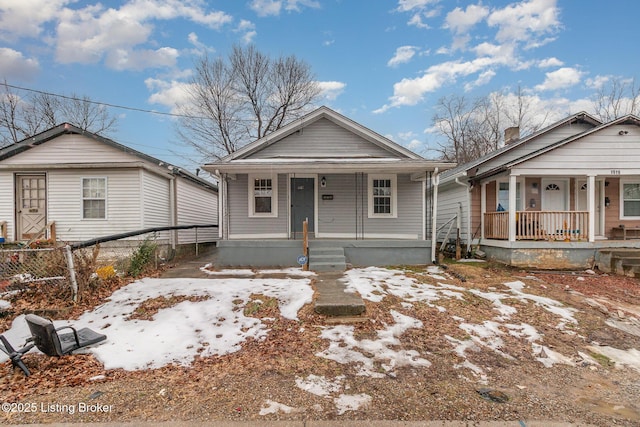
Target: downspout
468 215
173 202
222 203
435 180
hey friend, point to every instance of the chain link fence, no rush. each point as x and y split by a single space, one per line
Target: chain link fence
83 264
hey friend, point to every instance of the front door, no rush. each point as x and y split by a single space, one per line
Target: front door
302 205
554 195
31 198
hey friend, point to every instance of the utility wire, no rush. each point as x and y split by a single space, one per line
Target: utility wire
73 98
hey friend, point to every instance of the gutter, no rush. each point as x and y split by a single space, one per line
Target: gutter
467 186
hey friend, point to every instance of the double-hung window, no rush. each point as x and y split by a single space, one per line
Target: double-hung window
383 196
94 198
503 196
630 200
263 196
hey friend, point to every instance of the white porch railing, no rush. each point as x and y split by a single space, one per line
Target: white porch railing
536 225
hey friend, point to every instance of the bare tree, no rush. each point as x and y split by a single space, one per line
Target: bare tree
24 117
470 129
243 97
617 98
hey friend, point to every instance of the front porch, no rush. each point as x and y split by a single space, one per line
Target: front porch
359 253
538 225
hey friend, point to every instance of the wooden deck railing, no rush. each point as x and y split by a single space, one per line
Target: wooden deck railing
536 225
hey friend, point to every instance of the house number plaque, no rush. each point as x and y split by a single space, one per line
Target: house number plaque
327 197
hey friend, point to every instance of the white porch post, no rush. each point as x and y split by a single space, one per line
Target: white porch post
512 208
483 207
591 206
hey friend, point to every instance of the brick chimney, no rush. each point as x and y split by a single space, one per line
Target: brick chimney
511 134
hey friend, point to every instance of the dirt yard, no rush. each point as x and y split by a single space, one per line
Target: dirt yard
465 376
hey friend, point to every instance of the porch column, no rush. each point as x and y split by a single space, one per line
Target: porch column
512 208
483 207
591 206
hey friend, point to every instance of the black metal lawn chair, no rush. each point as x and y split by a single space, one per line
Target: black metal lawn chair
46 337
16 355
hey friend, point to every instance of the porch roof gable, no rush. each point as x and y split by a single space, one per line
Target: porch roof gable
462 170
394 149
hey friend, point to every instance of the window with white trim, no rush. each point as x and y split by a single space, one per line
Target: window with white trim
383 196
94 198
263 196
630 200
503 196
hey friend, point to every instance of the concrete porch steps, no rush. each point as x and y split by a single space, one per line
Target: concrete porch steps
625 262
327 259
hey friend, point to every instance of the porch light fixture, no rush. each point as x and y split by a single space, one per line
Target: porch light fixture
323 182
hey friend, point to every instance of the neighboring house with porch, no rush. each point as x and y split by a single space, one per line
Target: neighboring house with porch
552 199
71 185
362 194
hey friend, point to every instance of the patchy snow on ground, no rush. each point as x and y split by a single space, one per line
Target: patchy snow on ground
621 358
216 325
4 304
345 348
273 407
320 386
351 402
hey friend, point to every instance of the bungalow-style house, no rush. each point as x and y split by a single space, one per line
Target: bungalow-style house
362 194
552 199
72 185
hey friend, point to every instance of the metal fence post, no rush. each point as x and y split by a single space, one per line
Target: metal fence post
196 241
72 273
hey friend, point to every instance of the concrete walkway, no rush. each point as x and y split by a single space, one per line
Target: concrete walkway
332 300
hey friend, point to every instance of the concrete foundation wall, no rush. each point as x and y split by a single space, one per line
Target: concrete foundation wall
359 253
551 255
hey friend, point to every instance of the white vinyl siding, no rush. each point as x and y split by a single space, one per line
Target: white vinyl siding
630 199
156 205
242 224
322 138
71 149
65 204
7 202
196 206
452 201
94 197
599 153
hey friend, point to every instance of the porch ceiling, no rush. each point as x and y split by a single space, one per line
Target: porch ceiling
327 165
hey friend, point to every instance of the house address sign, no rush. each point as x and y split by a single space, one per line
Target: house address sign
327 197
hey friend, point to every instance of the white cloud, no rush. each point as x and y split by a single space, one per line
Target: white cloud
168 93
331 90
273 7
598 81
13 65
411 91
560 79
249 30
122 59
483 79
460 21
550 62
525 20
403 55
409 5
89 34
24 18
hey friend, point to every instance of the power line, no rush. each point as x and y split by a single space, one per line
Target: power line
106 104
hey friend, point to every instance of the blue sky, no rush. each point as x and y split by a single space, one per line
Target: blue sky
382 63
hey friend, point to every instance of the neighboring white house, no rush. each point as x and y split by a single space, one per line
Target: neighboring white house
551 199
85 186
359 191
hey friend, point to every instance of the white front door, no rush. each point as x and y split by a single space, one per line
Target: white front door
554 195
581 203
31 214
